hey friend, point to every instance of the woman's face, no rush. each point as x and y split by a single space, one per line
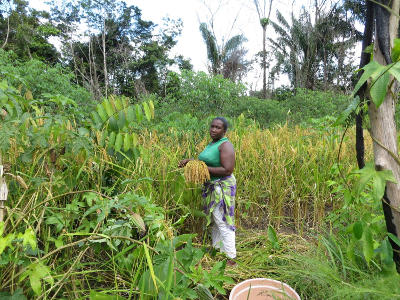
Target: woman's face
217 130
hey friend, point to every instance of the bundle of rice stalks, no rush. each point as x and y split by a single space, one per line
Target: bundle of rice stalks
196 171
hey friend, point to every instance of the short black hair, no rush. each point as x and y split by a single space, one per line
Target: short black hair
224 121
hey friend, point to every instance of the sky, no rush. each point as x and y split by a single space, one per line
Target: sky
231 17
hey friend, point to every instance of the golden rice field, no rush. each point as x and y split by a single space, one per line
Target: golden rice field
282 173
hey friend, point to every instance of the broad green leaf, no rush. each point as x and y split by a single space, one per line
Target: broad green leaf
396 50
107 106
150 265
348 197
59 242
90 198
272 237
395 71
366 174
386 252
6 242
111 139
118 104
147 111
373 68
369 49
29 238
56 220
378 187
100 296
379 87
102 113
17 295
125 101
170 273
344 114
35 284
130 114
113 124
121 120
43 272
139 113
378 178
138 221
151 106
118 142
134 139
127 142
96 118
368 245
358 230
83 131
394 238
103 137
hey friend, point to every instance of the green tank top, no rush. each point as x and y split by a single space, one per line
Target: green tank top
211 156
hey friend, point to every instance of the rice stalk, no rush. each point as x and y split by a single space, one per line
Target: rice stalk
196 172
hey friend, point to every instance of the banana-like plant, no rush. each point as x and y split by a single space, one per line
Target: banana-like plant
115 119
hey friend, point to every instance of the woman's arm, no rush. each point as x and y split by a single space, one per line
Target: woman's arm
183 162
227 157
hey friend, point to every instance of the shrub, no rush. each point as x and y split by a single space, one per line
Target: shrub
265 112
307 104
201 94
42 79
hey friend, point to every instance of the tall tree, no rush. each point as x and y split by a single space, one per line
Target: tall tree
26 31
264 20
383 126
295 49
312 52
122 53
228 58
368 19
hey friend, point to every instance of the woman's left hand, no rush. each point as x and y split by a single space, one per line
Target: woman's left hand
183 162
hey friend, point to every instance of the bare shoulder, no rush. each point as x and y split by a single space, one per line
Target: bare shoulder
226 146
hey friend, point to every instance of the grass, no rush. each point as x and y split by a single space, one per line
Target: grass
304 265
282 175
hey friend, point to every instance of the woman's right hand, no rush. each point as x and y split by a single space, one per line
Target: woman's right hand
183 162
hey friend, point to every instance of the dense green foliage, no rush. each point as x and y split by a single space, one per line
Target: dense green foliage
106 215
93 210
91 136
26 31
125 54
200 95
41 79
311 52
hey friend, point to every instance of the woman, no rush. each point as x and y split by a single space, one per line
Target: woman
220 191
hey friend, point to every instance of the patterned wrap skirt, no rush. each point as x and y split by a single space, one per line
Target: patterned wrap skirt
220 193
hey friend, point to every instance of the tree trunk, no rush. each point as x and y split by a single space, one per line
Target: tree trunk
91 81
365 58
94 78
325 72
104 57
383 132
8 32
264 64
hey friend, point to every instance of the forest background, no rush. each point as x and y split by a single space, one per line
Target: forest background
93 127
